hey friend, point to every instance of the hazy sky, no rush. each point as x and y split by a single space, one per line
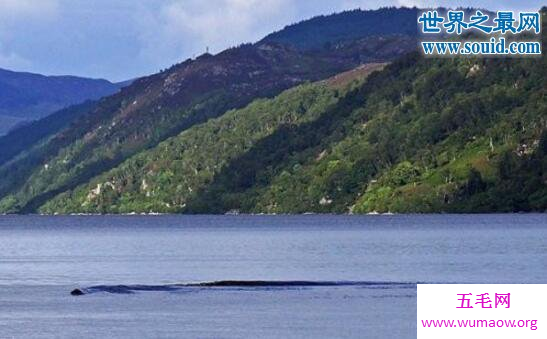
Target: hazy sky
122 39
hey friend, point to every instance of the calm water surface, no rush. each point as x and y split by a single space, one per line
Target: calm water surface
381 257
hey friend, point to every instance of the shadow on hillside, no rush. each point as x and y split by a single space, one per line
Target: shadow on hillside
268 157
235 187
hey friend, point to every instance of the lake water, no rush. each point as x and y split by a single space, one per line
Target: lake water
355 275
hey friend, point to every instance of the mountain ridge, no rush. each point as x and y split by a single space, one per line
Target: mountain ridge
325 30
29 96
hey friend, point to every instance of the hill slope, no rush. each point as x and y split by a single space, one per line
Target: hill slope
160 106
165 178
27 96
423 135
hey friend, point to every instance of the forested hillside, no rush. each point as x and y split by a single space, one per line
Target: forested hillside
160 106
166 178
418 135
424 135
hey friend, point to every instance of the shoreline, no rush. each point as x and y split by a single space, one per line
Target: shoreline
269 214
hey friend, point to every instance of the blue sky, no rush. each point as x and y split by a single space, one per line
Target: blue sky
122 39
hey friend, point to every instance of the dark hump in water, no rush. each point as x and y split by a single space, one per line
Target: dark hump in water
129 289
293 283
77 292
261 283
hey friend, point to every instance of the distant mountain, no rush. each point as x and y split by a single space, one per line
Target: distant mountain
24 137
26 96
324 31
8 123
